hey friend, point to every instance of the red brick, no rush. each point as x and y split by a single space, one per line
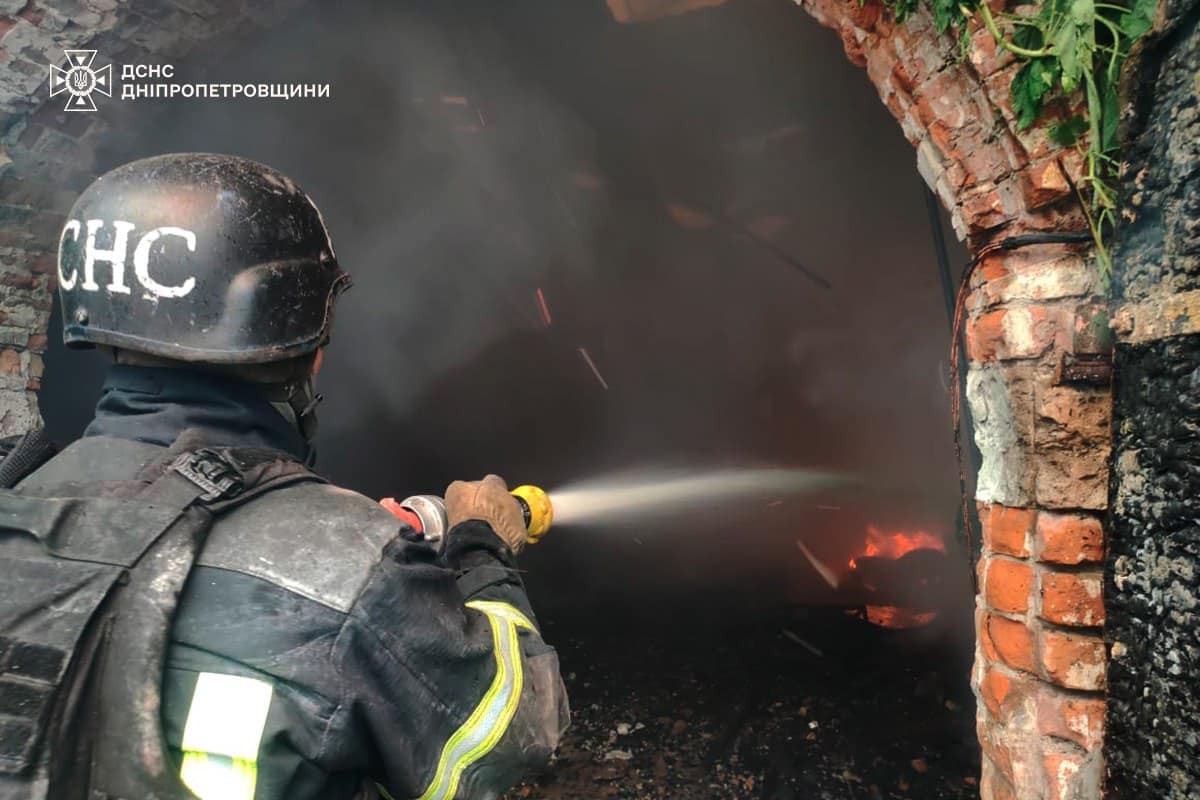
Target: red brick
1006 530
903 77
1069 539
12 236
10 362
942 97
994 689
1007 585
987 57
1075 719
6 25
942 136
982 159
998 87
32 14
1004 693
1006 333
1008 641
1044 183
1075 661
864 15
1073 599
983 208
44 264
17 280
37 342
985 336
995 749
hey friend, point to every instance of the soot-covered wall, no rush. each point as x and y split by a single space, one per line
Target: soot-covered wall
1153 580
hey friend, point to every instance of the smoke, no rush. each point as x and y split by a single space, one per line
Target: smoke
579 246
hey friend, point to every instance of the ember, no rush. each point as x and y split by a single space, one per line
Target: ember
898 617
544 309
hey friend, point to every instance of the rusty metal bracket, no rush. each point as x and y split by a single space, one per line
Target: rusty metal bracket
1087 370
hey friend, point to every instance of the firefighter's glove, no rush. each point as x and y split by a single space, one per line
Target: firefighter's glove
487 500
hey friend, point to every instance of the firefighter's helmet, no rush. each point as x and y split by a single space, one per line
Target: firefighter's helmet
201 258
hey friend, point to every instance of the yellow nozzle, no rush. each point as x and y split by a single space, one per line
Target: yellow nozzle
539 514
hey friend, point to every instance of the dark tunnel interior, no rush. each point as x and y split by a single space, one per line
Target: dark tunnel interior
581 247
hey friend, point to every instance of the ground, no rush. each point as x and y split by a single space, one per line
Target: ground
808 704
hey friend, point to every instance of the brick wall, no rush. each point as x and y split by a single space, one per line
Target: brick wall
1040 663
47 156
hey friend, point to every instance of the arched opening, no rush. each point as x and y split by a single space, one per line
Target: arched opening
581 247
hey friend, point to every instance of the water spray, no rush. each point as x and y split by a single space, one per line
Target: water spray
640 495
635 496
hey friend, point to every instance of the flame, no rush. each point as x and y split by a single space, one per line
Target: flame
895 545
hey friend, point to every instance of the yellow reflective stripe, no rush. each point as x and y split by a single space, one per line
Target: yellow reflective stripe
218 777
488 722
510 613
221 736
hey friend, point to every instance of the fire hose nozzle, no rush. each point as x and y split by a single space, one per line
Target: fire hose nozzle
426 513
538 512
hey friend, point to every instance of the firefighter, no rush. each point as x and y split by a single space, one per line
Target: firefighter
319 648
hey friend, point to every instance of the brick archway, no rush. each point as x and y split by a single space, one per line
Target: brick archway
1040 666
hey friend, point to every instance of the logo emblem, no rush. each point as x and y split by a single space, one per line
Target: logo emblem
77 78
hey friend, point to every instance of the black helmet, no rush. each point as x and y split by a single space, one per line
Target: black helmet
201 258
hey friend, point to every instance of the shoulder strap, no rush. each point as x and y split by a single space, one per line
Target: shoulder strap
131 760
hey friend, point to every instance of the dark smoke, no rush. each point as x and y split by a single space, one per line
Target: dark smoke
474 152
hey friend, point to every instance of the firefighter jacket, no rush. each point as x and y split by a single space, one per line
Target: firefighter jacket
321 650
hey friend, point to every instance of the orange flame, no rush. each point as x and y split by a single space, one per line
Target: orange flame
895 545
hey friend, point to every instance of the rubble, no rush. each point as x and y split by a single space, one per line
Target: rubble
884 714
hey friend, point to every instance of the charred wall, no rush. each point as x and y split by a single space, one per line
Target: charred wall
1153 565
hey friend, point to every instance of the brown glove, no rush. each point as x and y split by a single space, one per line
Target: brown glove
487 500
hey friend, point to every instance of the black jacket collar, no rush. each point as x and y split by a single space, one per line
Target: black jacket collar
156 404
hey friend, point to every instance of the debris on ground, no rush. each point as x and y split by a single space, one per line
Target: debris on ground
744 713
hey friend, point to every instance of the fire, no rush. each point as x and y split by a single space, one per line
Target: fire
892 546
895 545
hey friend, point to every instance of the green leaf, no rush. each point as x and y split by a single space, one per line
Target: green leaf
1075 42
903 9
964 42
1110 108
1029 88
945 14
1139 18
1067 132
1028 37
1066 44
